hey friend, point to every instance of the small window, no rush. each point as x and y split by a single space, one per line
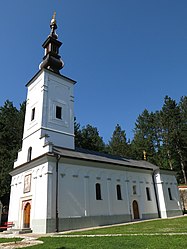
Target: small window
58 112
148 194
29 154
134 190
170 195
118 191
33 114
98 191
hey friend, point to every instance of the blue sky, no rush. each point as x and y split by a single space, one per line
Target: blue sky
125 55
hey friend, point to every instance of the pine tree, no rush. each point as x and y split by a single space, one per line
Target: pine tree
146 136
90 139
11 129
118 143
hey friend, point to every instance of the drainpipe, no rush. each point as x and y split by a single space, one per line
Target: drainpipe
56 216
156 194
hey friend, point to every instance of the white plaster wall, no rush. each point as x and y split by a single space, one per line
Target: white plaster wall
39 147
51 190
59 92
142 180
15 206
39 191
148 206
45 92
71 192
77 195
37 197
169 181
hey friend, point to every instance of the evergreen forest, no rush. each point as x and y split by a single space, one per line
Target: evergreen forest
160 137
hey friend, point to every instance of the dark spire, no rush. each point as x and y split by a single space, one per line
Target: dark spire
52 60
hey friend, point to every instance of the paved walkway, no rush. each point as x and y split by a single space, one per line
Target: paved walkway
117 235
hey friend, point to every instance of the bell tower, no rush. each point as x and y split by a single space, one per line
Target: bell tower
49 118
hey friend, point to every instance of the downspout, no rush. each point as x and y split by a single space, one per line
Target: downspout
156 194
56 216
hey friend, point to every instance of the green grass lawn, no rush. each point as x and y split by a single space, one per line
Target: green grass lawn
156 237
135 242
5 240
177 225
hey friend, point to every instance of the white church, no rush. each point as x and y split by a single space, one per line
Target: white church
57 187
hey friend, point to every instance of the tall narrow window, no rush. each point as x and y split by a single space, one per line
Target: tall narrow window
134 190
118 191
98 191
170 195
29 154
33 114
148 194
58 112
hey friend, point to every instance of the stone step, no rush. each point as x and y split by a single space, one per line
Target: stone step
18 230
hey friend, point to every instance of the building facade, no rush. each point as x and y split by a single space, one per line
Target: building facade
57 187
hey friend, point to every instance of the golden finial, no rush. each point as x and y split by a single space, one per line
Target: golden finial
53 26
144 155
53 20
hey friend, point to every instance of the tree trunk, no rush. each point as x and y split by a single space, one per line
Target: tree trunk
169 160
182 166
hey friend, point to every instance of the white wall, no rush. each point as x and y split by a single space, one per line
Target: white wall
166 180
45 92
77 195
37 196
169 182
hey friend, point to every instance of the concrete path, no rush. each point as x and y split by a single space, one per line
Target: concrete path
117 235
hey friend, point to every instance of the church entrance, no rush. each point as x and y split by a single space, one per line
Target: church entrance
135 210
26 215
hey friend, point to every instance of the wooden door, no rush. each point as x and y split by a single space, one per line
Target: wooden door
135 210
27 211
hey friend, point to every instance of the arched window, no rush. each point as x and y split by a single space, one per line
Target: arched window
98 191
29 154
118 191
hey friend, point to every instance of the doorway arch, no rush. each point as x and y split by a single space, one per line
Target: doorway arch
135 210
26 215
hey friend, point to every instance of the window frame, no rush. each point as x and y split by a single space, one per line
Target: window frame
170 194
33 112
118 192
148 194
98 195
58 112
134 190
29 154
